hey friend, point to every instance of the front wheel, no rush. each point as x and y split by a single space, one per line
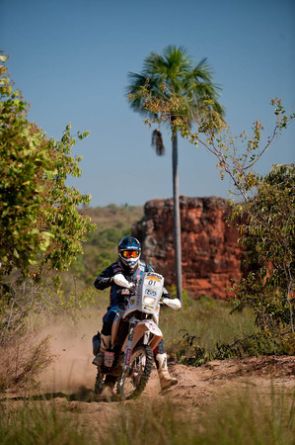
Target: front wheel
133 383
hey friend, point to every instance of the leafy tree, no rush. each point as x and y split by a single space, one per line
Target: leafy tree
266 206
268 237
267 209
40 225
170 89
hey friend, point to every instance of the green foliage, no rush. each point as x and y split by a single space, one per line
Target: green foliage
41 228
191 335
262 343
71 291
170 89
237 155
268 237
39 219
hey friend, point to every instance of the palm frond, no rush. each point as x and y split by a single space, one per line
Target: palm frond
157 142
135 91
177 57
154 65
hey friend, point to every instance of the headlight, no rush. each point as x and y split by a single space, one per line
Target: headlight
149 301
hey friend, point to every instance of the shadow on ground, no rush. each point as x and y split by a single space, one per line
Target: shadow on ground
83 394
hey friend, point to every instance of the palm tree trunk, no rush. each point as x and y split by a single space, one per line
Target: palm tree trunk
176 214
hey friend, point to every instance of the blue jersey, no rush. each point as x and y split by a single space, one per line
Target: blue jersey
119 295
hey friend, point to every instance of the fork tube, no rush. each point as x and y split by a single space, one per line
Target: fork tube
128 352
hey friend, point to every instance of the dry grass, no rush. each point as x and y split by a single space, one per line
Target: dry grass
21 362
241 417
40 424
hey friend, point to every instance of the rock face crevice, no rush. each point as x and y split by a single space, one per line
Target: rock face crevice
211 257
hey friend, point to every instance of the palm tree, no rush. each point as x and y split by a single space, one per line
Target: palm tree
171 89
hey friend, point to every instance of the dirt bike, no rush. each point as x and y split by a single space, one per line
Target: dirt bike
135 335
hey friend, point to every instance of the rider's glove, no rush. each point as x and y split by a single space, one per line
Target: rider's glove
121 281
173 303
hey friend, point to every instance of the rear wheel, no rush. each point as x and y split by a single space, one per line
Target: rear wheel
132 384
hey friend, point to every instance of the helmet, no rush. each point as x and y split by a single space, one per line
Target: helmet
129 251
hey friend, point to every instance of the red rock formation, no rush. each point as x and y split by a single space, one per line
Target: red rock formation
210 253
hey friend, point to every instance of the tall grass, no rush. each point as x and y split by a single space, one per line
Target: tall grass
205 323
238 417
39 424
243 418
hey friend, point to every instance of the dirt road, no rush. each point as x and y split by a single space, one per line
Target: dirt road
70 378
197 388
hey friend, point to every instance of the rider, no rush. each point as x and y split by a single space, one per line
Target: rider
130 266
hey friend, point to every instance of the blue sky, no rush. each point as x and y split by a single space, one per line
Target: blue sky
71 58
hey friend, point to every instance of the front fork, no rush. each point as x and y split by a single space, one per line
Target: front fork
127 354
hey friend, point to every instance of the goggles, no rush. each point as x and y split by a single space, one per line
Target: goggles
129 253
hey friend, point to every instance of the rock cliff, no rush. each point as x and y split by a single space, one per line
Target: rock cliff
211 257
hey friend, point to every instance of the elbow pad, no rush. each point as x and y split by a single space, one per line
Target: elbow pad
102 283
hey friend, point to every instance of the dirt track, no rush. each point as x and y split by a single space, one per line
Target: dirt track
72 368
196 389
70 378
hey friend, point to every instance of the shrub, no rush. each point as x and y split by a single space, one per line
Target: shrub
268 238
22 361
40 225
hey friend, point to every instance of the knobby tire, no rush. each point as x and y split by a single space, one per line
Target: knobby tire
147 351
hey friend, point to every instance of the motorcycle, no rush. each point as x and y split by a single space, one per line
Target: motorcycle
135 335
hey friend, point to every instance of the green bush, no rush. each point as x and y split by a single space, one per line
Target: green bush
262 343
268 239
40 225
209 329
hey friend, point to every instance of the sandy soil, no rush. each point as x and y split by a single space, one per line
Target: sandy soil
71 345
70 378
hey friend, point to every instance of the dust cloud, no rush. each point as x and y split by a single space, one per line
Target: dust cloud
71 345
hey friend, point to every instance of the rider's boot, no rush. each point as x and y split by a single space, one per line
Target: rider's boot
105 343
108 393
166 380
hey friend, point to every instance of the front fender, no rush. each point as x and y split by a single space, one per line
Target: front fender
139 331
150 325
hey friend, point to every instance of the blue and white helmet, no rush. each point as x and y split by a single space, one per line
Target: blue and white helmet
129 250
